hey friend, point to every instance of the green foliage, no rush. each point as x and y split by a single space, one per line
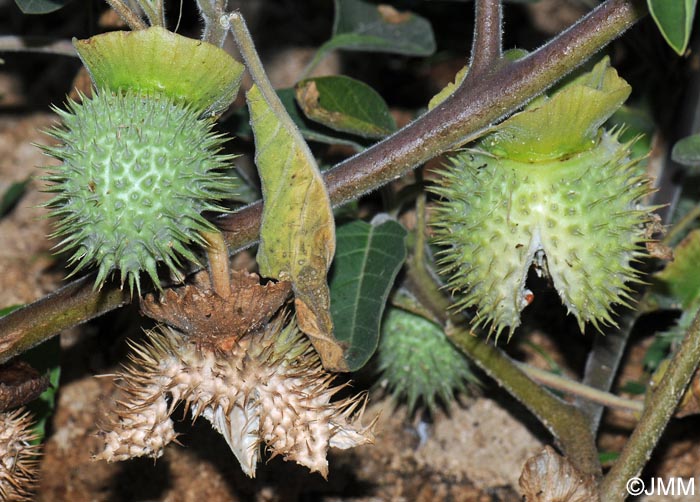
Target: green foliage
346 105
45 359
674 18
368 257
364 26
310 130
40 6
13 193
681 277
419 362
687 151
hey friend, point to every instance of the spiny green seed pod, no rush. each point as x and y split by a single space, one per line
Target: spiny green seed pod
548 188
140 161
136 174
418 361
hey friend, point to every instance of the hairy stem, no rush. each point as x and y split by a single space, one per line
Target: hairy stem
154 11
463 115
571 387
11 43
565 422
486 47
132 20
657 412
211 11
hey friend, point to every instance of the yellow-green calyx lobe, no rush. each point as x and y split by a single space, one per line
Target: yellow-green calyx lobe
158 61
548 188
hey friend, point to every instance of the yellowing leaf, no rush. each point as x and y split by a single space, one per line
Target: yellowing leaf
448 89
297 235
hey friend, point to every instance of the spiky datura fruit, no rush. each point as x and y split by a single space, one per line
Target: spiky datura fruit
418 362
140 161
547 188
268 388
18 456
137 173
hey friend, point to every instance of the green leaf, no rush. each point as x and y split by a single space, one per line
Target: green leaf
297 234
8 310
687 151
364 26
674 18
157 60
681 277
11 196
345 104
369 257
40 6
311 131
45 358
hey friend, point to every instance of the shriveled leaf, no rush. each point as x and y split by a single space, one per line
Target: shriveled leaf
40 6
364 26
369 257
11 196
549 477
311 131
346 105
157 60
674 18
687 151
681 277
297 235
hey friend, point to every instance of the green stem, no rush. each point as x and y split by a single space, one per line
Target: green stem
211 12
462 116
129 16
255 67
568 386
154 11
657 412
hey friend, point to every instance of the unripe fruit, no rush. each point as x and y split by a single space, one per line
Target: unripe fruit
418 361
137 172
574 210
140 161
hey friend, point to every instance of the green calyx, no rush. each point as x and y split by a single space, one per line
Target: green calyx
566 123
138 170
157 61
419 362
579 221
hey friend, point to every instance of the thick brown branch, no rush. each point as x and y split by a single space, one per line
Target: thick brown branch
462 116
486 47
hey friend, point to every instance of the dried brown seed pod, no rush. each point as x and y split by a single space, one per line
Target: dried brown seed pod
18 456
549 477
